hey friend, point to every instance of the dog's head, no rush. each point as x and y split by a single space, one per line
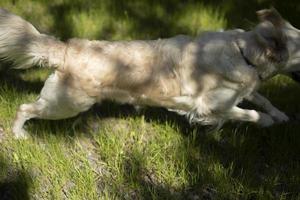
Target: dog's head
286 36
271 37
266 45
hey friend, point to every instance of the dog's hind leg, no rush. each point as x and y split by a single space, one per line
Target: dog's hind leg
58 100
42 109
26 112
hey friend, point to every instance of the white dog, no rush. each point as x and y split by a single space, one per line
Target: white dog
203 77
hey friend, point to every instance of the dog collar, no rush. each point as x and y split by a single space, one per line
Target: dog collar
249 63
245 58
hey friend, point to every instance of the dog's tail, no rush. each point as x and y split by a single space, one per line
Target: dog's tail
23 45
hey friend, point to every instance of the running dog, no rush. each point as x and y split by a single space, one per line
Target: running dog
203 77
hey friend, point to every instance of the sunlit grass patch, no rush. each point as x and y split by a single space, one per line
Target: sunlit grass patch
198 18
96 23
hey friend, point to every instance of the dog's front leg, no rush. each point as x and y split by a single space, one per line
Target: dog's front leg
240 114
264 103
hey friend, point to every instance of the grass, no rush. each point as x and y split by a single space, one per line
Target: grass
114 152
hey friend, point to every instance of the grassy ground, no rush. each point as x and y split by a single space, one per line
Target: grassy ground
114 152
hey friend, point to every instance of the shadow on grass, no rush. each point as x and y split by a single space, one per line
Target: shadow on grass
259 159
14 182
12 80
261 163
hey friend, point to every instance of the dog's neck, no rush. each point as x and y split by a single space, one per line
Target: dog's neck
249 63
253 55
241 47
245 58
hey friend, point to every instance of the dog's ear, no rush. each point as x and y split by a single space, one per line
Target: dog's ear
270 35
271 15
272 41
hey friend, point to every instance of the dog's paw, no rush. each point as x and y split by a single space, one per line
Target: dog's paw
20 134
265 120
279 116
